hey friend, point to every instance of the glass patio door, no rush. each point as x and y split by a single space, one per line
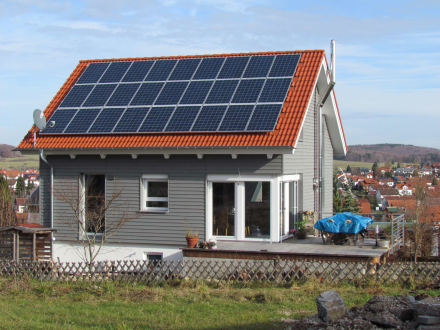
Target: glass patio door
223 209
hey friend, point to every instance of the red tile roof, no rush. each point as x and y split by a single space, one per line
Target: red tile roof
285 134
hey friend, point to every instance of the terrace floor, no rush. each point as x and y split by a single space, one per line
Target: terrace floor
311 248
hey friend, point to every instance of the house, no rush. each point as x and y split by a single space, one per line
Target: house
404 170
364 206
18 205
12 183
400 203
387 181
385 192
226 144
404 189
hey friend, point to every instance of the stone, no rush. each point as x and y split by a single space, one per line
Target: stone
428 327
426 319
411 299
428 306
381 322
330 305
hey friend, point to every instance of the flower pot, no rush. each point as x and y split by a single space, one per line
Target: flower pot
383 243
301 235
192 242
213 247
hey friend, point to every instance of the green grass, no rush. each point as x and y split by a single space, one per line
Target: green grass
20 163
29 304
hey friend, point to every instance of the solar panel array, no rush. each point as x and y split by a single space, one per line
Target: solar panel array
213 94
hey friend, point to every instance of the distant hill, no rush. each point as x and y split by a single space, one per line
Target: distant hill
386 152
6 151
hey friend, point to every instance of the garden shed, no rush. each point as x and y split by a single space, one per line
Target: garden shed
26 241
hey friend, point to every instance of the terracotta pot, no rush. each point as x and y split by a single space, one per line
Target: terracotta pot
192 242
301 235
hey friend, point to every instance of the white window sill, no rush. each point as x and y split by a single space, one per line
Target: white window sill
154 211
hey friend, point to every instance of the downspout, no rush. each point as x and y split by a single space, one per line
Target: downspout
320 121
51 186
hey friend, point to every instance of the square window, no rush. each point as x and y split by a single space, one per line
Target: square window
155 193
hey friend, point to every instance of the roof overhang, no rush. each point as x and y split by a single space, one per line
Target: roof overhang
331 111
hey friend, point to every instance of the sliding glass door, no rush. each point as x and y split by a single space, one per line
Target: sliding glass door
257 209
223 209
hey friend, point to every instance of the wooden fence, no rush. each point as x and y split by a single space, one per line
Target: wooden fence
263 271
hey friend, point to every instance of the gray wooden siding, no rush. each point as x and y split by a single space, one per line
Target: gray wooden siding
302 161
44 194
186 175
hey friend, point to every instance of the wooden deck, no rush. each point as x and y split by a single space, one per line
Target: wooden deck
311 248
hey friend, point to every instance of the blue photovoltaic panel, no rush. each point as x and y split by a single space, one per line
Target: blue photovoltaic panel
131 120
99 95
92 73
185 69
233 67
171 93
115 72
161 70
61 118
209 118
275 90
76 96
196 92
147 93
258 66
106 120
248 91
284 66
138 71
222 91
265 117
123 94
209 68
182 119
157 119
236 118
82 121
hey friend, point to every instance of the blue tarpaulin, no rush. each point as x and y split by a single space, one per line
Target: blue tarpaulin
341 225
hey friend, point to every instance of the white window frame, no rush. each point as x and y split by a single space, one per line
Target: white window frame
83 196
145 178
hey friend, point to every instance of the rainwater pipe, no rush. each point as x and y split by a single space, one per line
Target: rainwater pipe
51 186
320 121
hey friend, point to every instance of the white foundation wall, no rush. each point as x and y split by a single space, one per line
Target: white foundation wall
73 253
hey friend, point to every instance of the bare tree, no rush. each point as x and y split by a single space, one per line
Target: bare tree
418 213
97 214
7 214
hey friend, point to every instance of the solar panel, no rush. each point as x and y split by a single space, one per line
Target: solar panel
185 69
115 72
284 65
61 118
82 121
209 118
131 120
236 118
138 71
265 117
248 91
189 94
123 95
171 93
99 95
147 93
209 68
222 91
161 70
156 119
182 119
275 90
106 120
258 66
196 92
76 96
233 67
92 73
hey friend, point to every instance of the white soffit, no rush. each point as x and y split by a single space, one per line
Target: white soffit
330 111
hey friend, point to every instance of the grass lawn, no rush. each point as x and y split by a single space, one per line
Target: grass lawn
29 304
20 163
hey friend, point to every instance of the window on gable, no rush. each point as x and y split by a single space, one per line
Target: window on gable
94 200
155 193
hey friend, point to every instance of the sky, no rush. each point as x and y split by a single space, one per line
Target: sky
387 52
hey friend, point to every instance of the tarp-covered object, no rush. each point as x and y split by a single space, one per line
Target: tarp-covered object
347 222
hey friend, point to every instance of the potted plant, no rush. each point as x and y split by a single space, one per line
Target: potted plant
212 243
301 228
293 232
